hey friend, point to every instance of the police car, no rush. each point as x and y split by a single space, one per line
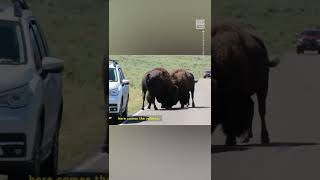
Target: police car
118 93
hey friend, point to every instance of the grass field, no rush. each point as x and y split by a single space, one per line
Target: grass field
76 33
135 66
276 21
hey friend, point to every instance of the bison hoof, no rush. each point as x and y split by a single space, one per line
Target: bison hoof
155 108
193 105
231 141
149 107
246 139
142 108
265 140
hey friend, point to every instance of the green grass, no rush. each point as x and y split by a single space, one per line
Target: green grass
276 21
135 66
76 33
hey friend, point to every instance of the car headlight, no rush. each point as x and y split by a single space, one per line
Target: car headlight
114 92
16 98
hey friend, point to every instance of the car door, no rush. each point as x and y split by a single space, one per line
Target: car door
51 85
125 89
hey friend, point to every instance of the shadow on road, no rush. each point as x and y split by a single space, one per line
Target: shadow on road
85 175
310 53
221 148
178 108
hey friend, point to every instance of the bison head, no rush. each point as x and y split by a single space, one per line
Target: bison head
172 97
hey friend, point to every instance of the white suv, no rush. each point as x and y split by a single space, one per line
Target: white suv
118 93
30 96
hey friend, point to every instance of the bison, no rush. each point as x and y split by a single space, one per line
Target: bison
185 82
241 69
158 84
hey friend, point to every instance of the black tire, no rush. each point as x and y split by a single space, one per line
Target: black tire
50 165
125 113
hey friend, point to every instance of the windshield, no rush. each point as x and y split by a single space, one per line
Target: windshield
311 33
11 46
112 75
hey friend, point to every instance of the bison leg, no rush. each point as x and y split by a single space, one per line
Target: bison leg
231 140
250 116
214 126
192 96
152 101
143 98
262 95
182 105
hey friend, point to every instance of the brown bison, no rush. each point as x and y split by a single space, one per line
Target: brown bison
185 82
241 69
158 84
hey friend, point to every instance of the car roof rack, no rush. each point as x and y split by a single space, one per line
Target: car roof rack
114 62
19 6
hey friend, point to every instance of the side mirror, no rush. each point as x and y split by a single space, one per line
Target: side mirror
52 65
126 82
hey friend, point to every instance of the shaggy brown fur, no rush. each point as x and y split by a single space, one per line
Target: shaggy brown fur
241 69
159 86
185 82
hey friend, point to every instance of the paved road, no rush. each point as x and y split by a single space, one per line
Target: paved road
294 126
200 115
94 167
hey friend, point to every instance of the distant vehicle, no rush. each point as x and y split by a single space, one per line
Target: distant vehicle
31 101
309 39
207 74
118 93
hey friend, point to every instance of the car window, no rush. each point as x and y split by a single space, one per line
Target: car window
35 49
112 75
121 74
39 39
311 33
11 46
43 38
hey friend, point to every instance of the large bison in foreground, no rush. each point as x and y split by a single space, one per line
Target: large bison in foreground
158 84
240 70
185 82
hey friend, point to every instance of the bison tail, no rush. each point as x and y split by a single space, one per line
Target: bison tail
196 80
274 62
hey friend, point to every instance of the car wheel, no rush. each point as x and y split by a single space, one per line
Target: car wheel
50 165
34 169
125 113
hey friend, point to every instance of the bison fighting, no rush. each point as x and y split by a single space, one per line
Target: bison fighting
241 69
168 89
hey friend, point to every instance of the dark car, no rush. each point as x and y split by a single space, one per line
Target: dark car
308 40
207 74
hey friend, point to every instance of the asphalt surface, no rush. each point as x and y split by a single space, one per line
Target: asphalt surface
293 120
200 115
93 167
